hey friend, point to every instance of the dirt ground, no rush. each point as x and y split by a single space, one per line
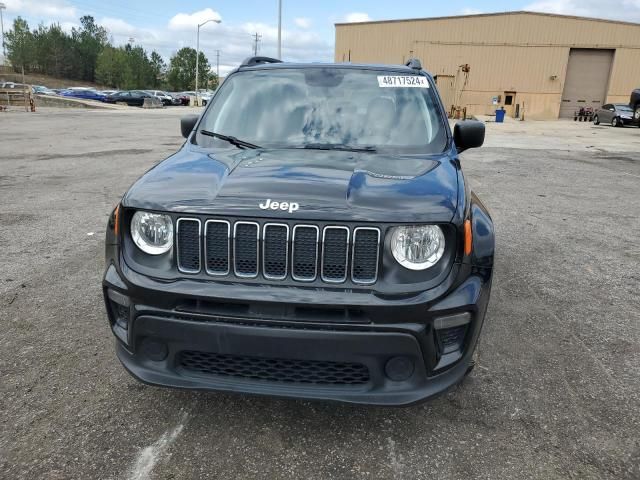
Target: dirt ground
556 394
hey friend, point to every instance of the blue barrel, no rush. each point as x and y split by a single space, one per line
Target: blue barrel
500 115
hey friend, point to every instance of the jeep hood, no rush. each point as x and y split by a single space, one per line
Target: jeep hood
327 185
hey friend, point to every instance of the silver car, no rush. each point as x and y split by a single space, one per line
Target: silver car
617 114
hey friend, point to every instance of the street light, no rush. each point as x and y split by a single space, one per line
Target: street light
198 54
4 49
279 29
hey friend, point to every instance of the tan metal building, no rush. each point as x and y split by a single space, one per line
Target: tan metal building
540 65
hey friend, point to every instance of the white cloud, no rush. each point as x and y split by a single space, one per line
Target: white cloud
189 21
628 10
117 26
41 8
356 17
304 23
471 11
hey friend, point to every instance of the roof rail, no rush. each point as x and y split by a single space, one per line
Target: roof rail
251 61
414 64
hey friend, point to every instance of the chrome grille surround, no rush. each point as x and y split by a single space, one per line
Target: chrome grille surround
206 250
236 248
178 236
324 260
265 261
354 245
302 278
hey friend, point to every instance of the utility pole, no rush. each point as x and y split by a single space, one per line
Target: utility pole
256 38
198 53
218 67
279 29
4 48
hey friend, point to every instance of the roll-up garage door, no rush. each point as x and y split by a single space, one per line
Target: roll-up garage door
587 80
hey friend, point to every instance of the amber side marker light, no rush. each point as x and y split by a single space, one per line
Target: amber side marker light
116 220
468 237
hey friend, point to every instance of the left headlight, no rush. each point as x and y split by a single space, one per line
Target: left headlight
152 232
417 247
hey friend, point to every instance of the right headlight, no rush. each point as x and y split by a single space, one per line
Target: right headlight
417 247
152 232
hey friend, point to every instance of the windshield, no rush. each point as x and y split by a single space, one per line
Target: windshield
318 106
623 108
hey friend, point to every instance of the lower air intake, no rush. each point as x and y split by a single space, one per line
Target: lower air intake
274 369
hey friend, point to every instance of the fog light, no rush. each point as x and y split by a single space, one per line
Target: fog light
399 369
154 349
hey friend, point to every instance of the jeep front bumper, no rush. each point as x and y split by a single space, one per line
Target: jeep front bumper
295 342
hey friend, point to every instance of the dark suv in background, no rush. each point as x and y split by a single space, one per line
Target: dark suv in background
314 237
634 103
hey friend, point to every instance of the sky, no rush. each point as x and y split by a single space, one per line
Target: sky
308 26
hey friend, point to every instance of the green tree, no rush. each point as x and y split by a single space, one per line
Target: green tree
53 51
89 41
158 69
85 54
182 70
20 45
112 67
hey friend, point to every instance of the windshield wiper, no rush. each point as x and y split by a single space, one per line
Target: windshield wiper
339 146
228 138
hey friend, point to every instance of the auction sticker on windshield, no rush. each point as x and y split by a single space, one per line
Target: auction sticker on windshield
402 81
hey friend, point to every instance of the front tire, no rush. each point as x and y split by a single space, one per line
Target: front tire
596 120
616 122
636 115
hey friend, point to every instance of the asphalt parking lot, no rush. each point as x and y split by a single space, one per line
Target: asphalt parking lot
556 393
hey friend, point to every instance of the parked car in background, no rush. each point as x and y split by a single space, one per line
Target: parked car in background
617 114
42 90
84 93
164 97
133 98
12 85
191 95
205 96
110 92
635 105
180 98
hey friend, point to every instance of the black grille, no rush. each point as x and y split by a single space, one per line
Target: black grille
274 369
275 251
365 255
305 252
334 254
217 247
188 245
246 249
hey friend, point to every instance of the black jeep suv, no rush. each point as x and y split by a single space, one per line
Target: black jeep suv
314 237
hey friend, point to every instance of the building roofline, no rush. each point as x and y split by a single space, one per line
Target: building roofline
495 14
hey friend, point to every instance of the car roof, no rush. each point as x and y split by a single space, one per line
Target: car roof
348 65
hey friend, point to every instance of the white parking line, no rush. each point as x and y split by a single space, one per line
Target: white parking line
150 455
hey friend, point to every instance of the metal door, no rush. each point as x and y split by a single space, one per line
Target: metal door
587 80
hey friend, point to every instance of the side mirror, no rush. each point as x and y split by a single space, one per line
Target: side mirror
187 124
468 134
